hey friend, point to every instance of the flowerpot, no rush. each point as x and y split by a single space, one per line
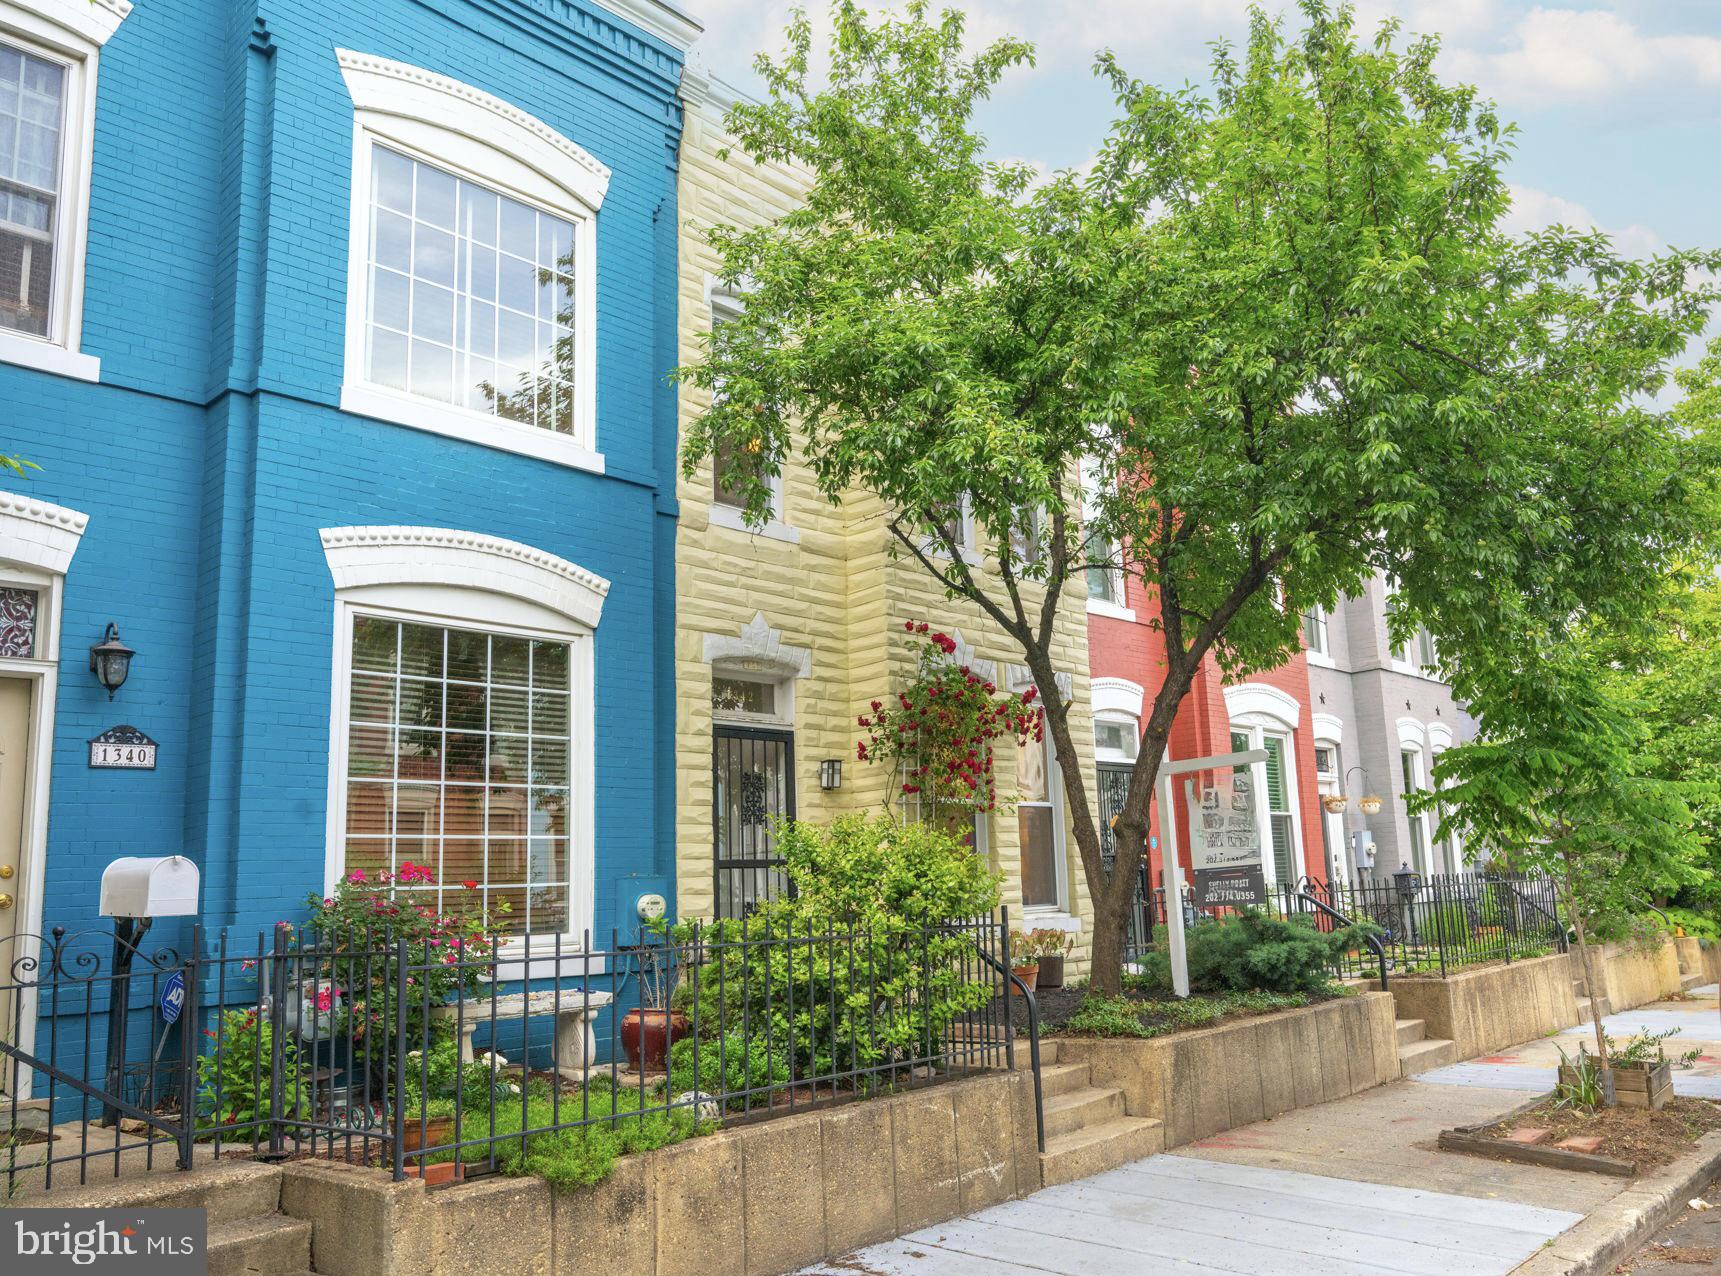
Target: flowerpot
434 1133
1644 1085
1334 804
1569 1077
1051 971
1029 974
439 1174
646 1035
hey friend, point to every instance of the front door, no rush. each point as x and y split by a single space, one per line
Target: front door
14 780
752 784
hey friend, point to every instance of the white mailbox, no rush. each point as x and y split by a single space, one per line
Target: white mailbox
145 886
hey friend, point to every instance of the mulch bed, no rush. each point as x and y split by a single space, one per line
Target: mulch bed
1163 1016
1649 1138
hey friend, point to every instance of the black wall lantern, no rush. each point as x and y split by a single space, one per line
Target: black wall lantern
110 660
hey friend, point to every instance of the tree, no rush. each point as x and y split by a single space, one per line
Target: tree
1280 322
1558 783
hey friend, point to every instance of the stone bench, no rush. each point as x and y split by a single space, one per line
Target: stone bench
574 1008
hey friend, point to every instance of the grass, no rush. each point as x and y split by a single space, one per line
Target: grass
1099 1016
582 1154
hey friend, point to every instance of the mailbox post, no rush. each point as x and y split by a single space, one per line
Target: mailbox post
135 891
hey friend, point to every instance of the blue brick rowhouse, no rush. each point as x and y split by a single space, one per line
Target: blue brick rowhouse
338 334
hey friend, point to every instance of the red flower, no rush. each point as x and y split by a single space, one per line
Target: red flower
1029 694
908 625
470 885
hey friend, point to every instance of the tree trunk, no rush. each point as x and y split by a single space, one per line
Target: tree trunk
1105 977
1589 977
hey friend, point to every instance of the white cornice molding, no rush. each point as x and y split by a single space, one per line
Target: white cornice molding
1439 736
711 93
759 649
386 87
668 22
39 534
1411 733
1018 678
1259 698
81 25
1328 726
1117 695
360 556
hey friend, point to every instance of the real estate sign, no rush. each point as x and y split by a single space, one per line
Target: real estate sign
1226 846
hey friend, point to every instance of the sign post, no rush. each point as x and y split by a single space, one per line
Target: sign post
1218 846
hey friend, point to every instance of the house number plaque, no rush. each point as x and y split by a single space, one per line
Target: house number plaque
123 748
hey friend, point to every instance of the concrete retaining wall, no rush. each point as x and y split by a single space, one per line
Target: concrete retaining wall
1631 975
1485 1010
1695 959
1199 1083
752 1201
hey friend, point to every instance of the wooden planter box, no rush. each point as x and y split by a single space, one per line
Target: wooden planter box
1639 1085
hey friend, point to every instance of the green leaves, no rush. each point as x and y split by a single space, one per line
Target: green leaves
1282 317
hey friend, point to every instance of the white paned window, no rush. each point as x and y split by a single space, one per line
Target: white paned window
471 301
459 759
49 51
1315 632
1104 573
1039 826
1115 739
32 112
472 296
1410 762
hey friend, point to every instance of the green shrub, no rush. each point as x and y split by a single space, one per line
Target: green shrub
1100 1016
1261 951
726 1064
859 871
1694 923
1448 924
233 1081
583 1155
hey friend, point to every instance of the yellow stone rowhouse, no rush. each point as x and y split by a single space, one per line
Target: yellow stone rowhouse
786 633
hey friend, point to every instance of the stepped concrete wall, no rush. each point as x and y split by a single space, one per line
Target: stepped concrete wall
1199 1083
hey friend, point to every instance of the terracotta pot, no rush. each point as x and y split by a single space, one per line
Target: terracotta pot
1028 974
647 1034
434 1133
1051 971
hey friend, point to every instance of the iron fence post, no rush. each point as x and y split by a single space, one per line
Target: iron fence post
190 1015
277 1039
394 1090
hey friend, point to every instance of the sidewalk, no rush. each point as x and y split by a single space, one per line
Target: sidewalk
1354 1187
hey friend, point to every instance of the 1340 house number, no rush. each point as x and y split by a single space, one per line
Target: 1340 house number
123 748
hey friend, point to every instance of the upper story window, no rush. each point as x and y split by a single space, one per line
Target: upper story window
48 55
471 300
1315 632
1104 557
472 296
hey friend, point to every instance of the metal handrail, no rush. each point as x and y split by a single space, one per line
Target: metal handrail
1526 900
1033 1040
1372 940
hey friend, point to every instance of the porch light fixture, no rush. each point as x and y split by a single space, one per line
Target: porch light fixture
831 774
110 660
1408 881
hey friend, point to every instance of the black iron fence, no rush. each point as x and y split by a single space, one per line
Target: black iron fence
1430 925
447 1056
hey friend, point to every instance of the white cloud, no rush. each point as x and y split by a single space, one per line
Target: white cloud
1571 55
1534 209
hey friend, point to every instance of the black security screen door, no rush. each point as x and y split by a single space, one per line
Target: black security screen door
1113 789
753 782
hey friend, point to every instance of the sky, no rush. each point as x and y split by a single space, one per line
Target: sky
1618 103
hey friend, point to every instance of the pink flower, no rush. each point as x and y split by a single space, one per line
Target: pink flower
357 875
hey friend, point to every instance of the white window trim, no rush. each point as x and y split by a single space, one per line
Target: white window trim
424 575
724 304
37 541
1408 747
1117 695
783 718
934 547
466 131
72 33
1110 610
1051 915
1329 728
1322 659
1116 609
1259 710
1129 721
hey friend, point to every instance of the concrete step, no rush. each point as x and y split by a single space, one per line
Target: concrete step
1587 1006
1434 1052
262 1245
231 1191
1061 1078
1694 980
1099 1148
1082 1109
1410 1031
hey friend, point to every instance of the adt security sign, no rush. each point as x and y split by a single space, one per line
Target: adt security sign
173 997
